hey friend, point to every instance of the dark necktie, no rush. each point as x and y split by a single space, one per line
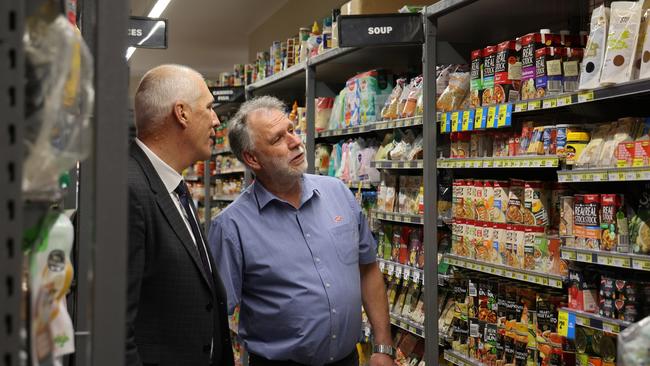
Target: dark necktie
184 196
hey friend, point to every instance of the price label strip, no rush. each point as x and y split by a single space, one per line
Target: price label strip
641 264
563 101
585 97
521 107
468 120
549 103
611 327
445 124
568 255
480 116
566 324
534 105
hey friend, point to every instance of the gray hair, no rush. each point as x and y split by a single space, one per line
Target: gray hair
239 136
159 89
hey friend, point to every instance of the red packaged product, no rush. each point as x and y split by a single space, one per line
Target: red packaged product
507 73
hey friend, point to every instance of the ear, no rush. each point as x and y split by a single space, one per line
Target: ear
181 112
251 161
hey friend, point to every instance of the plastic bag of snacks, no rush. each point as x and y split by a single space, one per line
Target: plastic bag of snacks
633 344
455 93
592 62
324 107
390 108
410 105
624 23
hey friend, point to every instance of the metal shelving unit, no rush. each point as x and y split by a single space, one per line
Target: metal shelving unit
398 217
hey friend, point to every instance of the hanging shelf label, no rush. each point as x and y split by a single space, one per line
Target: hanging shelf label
381 29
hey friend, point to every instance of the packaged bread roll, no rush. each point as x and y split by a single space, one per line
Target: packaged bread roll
624 24
592 61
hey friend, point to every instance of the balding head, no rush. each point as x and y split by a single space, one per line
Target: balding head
159 89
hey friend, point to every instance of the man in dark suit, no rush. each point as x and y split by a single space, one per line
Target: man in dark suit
176 311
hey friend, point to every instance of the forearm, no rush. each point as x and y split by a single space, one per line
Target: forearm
375 302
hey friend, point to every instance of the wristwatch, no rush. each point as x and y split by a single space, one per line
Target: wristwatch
384 349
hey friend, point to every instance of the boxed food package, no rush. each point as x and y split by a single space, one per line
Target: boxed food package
611 212
536 204
499 201
583 292
586 209
515 210
468 199
548 70
529 44
622 38
639 224
507 73
389 111
489 63
476 80
592 62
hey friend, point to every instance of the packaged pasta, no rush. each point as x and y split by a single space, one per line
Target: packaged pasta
592 62
622 37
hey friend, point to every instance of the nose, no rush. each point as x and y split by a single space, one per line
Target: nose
294 140
215 119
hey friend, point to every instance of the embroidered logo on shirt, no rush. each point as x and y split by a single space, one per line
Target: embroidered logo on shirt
338 218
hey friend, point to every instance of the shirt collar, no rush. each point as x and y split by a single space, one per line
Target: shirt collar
264 197
167 174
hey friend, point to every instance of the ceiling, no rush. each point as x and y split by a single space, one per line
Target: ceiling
208 35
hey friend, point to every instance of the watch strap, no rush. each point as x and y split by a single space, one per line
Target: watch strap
384 349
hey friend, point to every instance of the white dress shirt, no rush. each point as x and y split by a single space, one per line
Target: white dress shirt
171 179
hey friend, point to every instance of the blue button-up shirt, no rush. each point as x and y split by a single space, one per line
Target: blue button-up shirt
295 272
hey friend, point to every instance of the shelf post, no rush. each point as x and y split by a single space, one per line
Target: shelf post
310 104
430 193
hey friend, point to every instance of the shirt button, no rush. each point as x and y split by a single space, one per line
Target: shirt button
334 311
333 336
307 235
327 285
331 358
317 260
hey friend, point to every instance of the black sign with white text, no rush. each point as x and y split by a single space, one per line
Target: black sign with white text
147 32
227 94
381 29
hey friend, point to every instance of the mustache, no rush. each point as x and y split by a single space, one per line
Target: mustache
301 150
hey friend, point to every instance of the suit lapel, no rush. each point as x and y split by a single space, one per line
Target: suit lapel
169 209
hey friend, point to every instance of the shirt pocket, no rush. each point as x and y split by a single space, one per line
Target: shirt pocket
346 242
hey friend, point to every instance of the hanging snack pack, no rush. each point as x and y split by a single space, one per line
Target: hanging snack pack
489 63
643 55
476 80
507 73
592 63
622 38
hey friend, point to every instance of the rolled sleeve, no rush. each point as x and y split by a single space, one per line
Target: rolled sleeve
227 254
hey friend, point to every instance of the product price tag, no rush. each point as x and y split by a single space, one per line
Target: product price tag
416 276
454 122
568 255
563 178
526 163
641 264
566 324
479 118
535 163
444 123
611 327
552 163
616 176
507 273
584 257
562 101
630 176
491 117
604 260
391 269
498 272
407 274
554 283
505 115
534 105
398 271
549 103
585 97
470 119
621 262
521 107
581 320
519 276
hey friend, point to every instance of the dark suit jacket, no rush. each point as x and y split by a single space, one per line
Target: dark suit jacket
173 311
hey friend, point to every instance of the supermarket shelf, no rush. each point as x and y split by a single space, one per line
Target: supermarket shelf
398 217
500 115
330 55
390 164
504 162
407 324
543 279
231 171
460 360
280 76
370 127
362 185
192 178
225 198
401 270
577 317
604 175
612 259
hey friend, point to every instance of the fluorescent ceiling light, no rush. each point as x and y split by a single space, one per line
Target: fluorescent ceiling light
155 12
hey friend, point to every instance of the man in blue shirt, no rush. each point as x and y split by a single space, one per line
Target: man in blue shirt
295 251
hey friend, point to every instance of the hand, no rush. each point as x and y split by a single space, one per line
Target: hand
380 359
